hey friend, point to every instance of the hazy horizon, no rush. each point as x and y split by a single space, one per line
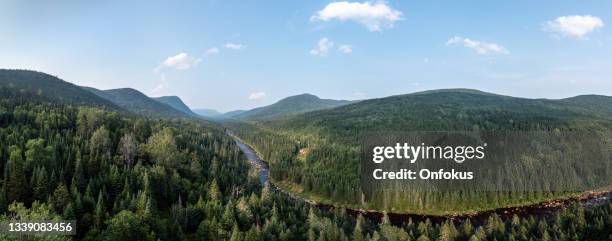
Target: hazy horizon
322 97
231 55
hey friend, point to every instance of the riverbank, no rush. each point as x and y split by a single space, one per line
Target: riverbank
546 207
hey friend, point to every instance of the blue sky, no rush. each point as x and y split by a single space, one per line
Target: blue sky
231 55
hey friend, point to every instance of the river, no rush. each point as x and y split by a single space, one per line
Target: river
545 208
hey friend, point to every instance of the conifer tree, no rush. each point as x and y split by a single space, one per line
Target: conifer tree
100 211
213 193
358 230
236 234
40 184
61 198
15 180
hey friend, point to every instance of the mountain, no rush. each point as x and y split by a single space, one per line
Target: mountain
39 85
291 105
302 148
138 103
208 112
599 104
450 108
176 103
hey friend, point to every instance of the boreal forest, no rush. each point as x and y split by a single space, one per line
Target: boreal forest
160 173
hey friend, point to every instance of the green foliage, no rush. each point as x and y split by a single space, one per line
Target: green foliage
127 226
176 103
118 175
15 180
137 102
201 192
37 154
301 148
26 85
61 198
38 212
162 148
290 106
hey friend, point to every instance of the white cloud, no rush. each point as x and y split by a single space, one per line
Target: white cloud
257 95
345 48
375 16
322 48
574 26
234 46
211 51
180 61
479 47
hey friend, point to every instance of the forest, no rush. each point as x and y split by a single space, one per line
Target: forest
302 148
123 176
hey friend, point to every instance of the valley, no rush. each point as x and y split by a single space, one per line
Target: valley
130 167
325 120
545 208
331 137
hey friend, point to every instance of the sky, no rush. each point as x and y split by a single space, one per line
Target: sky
229 55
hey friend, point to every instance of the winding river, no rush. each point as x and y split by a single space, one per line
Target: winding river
540 209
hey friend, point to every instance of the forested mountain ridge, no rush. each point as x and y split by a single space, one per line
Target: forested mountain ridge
138 103
176 103
126 177
44 86
599 104
291 105
51 89
448 108
302 147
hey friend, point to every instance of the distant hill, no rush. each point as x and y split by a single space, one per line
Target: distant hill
291 105
176 103
599 104
48 87
138 103
233 114
449 109
207 112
